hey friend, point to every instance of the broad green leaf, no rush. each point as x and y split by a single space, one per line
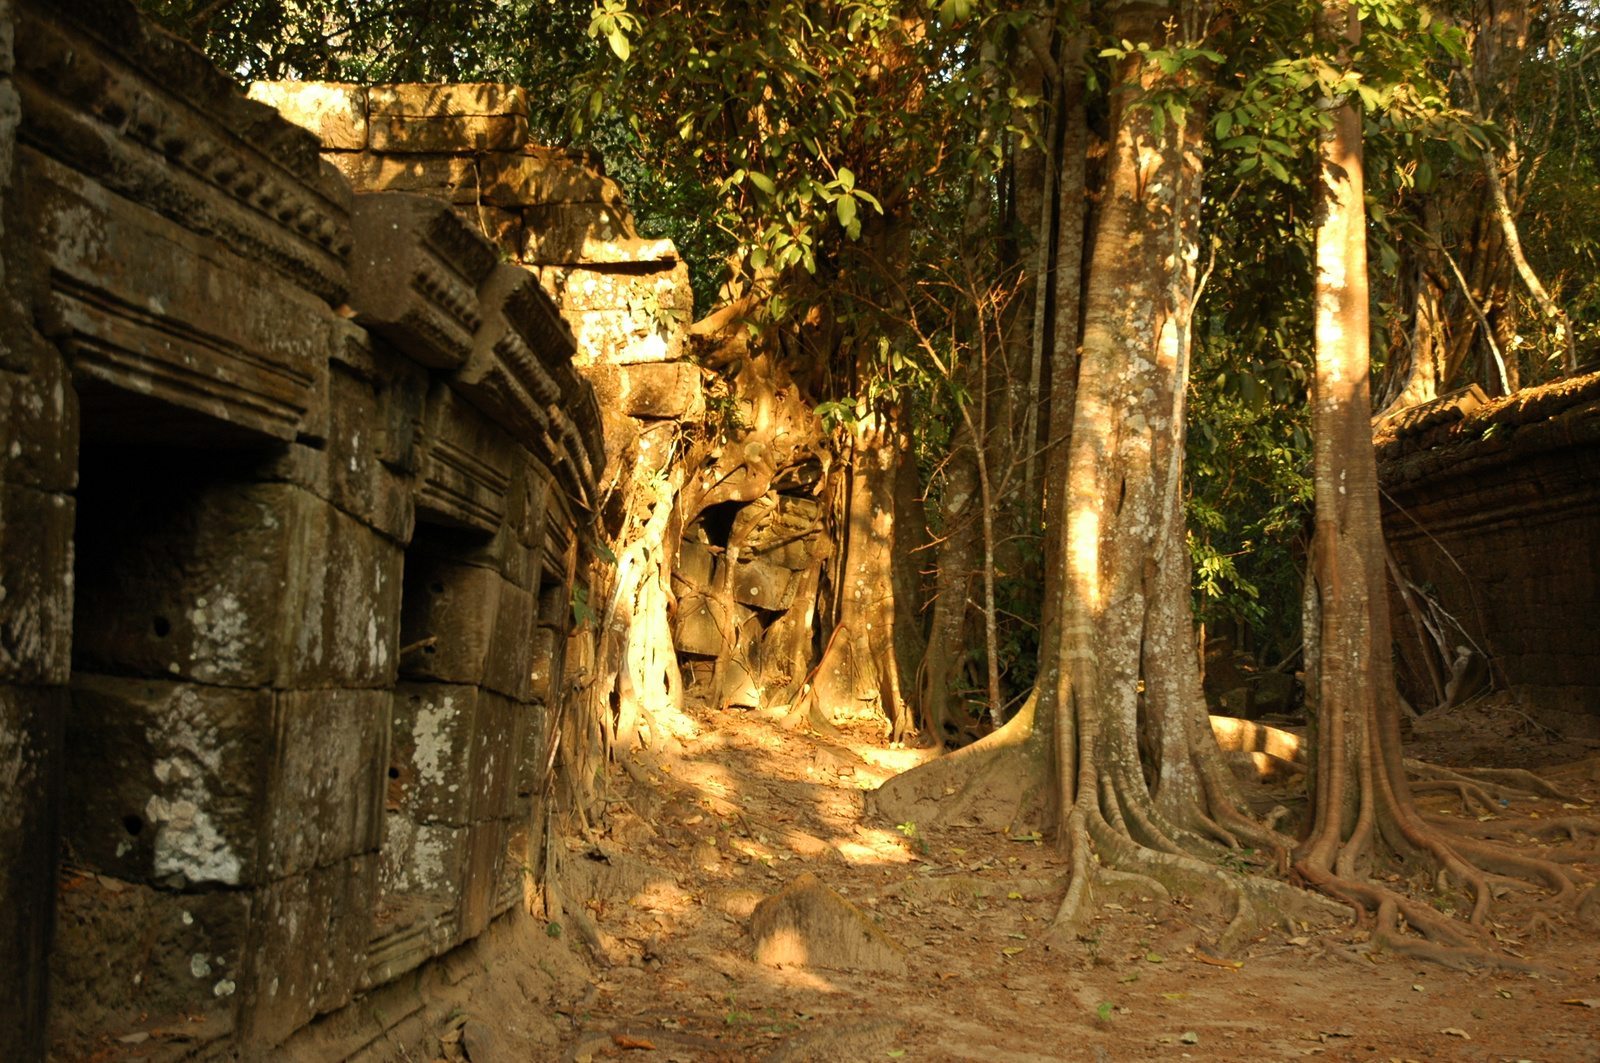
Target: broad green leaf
763 182
619 44
846 207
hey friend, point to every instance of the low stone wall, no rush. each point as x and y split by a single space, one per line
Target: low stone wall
291 489
1494 509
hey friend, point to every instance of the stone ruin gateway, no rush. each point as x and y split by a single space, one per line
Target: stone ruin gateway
295 482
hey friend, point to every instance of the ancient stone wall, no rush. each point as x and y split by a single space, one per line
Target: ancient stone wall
291 489
626 297
1493 511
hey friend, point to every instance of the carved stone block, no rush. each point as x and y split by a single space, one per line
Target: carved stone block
467 465
123 948
450 177
522 846
415 274
662 390
328 778
306 954
496 744
621 337
540 175
455 606
531 758
588 234
695 565
31 720
508 374
541 660
430 752
38 417
36 569
702 625
763 584
491 132
420 100
221 166
419 876
335 112
207 580
151 310
480 885
509 667
166 782
664 285
349 470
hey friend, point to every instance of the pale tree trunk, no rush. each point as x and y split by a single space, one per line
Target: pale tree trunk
957 561
1347 549
1122 618
1361 799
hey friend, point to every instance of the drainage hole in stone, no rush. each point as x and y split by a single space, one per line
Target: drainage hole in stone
436 587
132 824
161 627
394 773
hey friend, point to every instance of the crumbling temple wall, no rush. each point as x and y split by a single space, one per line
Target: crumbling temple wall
292 485
1493 510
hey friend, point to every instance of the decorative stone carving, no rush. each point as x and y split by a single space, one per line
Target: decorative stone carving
137 301
433 315
259 190
467 464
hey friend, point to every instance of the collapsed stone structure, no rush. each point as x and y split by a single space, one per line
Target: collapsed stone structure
299 453
741 567
1492 511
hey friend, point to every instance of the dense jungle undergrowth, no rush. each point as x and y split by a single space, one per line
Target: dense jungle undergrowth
1049 340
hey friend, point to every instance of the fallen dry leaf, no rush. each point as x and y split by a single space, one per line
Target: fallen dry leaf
1232 965
1456 1031
1584 1002
624 1041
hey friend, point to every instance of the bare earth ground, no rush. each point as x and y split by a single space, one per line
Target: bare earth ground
745 807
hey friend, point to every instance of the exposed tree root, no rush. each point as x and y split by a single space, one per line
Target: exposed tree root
1506 782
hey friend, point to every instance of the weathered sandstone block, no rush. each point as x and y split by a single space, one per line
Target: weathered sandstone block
336 113
126 949
432 314
306 954
480 623
477 133
36 567
509 372
463 99
325 790
467 464
588 234
644 289
206 580
622 337
167 781
147 308
449 177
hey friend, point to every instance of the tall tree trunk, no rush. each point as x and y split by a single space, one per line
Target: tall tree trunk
1122 621
1347 548
1361 799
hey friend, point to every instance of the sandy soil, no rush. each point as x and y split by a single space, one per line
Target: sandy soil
745 807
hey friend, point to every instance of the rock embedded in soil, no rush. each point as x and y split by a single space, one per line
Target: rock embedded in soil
810 925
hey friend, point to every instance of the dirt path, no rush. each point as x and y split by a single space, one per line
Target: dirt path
745 807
